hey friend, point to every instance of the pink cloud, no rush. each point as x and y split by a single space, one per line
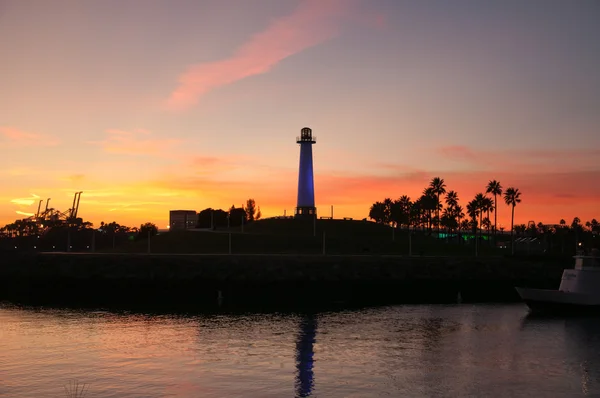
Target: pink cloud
10 136
136 143
311 23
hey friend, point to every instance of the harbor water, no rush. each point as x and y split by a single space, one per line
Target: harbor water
396 351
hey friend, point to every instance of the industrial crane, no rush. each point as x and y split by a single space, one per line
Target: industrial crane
75 208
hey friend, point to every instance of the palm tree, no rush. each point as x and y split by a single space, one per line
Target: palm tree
458 213
563 232
388 210
486 223
416 213
512 196
377 212
405 205
438 188
487 205
449 220
594 225
473 212
481 203
465 225
577 228
429 203
495 189
452 199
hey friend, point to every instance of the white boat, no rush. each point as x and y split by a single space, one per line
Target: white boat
579 289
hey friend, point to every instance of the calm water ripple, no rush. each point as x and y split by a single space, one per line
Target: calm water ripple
413 351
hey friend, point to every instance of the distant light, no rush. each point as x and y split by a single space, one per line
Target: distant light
54 247
168 226
579 243
15 247
88 246
70 247
35 247
38 237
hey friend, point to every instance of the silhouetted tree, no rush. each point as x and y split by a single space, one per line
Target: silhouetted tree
147 228
416 214
512 197
236 215
220 218
495 188
487 206
429 204
480 202
210 217
438 188
449 219
465 225
520 229
250 209
204 218
400 211
563 233
473 211
451 199
594 226
258 214
377 212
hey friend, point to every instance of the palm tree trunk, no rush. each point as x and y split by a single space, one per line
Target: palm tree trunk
512 227
495 219
479 227
438 214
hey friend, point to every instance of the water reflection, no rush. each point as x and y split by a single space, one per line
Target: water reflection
395 351
305 356
581 336
583 339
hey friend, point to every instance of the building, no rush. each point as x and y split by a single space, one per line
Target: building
182 219
306 187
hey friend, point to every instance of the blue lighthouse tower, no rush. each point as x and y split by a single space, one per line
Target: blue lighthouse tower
306 186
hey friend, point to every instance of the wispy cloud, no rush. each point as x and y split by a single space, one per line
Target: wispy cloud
24 204
543 160
25 201
74 178
13 137
311 23
136 142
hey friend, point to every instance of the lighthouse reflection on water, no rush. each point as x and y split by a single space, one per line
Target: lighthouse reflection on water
305 356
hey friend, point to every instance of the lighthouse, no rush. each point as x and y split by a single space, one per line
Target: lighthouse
306 187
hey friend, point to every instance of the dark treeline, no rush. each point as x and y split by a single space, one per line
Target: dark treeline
234 217
66 234
69 234
438 209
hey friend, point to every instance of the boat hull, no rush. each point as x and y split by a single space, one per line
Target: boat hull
556 301
561 308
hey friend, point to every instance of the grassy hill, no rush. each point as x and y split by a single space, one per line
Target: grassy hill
292 236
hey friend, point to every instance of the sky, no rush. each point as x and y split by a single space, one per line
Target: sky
148 106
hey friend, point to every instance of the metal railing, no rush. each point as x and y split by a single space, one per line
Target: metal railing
311 139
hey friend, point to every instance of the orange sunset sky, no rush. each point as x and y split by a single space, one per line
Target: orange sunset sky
148 106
